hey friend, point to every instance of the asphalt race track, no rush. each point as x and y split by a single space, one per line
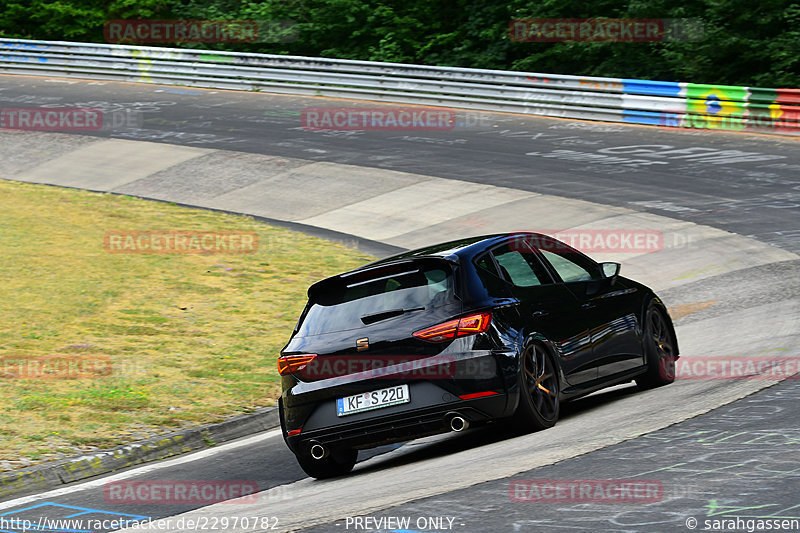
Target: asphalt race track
709 182
717 449
705 467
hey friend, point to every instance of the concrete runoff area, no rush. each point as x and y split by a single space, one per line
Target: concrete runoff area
401 209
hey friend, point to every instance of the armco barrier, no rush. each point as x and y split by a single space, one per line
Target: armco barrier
667 104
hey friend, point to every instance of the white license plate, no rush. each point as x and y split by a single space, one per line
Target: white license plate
376 399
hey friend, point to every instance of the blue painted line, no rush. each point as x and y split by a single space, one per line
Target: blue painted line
23 59
64 506
651 88
643 117
48 529
25 46
82 511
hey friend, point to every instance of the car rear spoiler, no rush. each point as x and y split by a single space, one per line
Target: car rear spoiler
368 273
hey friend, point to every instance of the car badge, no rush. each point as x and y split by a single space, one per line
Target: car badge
362 344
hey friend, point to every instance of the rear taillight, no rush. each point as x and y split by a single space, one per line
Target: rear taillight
460 327
288 364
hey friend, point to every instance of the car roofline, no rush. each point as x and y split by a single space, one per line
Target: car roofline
453 257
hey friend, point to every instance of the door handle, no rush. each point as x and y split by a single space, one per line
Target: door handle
588 305
540 313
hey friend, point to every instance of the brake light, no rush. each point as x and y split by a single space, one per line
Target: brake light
460 327
473 324
438 333
293 432
294 363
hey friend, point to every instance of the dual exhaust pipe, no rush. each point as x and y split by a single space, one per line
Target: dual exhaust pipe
458 423
319 451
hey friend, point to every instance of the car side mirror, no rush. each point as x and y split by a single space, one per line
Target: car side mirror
610 270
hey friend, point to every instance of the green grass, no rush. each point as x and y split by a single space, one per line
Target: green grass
177 339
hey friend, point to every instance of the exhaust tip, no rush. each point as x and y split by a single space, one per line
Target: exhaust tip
458 423
318 451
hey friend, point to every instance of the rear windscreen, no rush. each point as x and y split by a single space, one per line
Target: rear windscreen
376 295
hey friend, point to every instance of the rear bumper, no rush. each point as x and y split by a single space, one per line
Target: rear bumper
435 393
400 426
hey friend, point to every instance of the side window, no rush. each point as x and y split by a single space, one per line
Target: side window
487 264
570 265
490 277
521 267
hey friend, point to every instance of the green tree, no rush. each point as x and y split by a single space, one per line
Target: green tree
744 43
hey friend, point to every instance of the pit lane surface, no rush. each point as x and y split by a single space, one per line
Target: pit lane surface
708 180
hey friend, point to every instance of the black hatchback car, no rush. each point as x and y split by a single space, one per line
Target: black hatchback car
462 333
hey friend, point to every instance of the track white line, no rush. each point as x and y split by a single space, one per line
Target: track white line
144 469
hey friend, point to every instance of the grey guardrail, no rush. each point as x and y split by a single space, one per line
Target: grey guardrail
668 104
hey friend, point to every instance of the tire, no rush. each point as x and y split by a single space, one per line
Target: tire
539 404
658 343
336 464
